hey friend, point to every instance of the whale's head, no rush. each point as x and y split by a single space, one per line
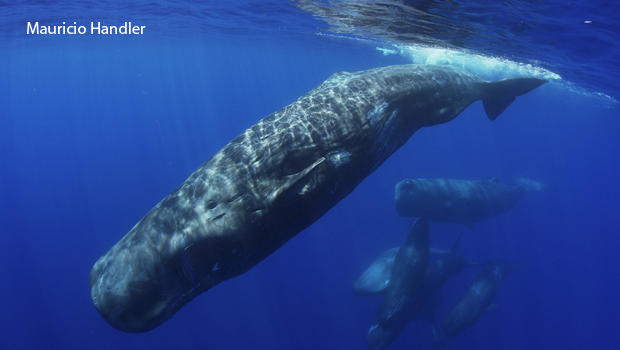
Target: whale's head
136 286
131 291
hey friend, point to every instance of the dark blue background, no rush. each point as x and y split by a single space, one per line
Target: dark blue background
93 133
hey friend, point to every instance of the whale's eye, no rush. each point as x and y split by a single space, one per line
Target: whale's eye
211 204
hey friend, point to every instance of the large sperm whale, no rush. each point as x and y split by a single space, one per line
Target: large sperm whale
274 180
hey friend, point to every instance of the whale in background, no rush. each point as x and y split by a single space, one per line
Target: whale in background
459 201
477 300
407 279
442 265
377 276
274 180
404 291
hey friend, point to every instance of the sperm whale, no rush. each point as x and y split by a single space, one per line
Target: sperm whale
274 180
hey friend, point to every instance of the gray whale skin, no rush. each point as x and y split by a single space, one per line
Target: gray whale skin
274 180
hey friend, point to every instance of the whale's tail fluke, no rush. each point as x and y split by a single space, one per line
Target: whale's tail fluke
499 94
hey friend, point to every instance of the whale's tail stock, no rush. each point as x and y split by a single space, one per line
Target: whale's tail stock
498 95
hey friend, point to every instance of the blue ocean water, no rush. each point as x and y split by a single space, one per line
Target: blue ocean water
94 131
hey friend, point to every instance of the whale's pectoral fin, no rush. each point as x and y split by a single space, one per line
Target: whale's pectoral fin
499 94
294 184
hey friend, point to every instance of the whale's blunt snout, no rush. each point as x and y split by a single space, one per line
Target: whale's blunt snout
127 301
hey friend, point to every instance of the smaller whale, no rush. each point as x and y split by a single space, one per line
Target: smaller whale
445 266
406 281
459 201
377 276
477 300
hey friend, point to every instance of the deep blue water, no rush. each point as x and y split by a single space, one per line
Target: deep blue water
94 132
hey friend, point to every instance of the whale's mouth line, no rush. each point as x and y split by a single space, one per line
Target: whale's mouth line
197 286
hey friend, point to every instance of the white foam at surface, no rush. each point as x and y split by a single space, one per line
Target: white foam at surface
489 67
